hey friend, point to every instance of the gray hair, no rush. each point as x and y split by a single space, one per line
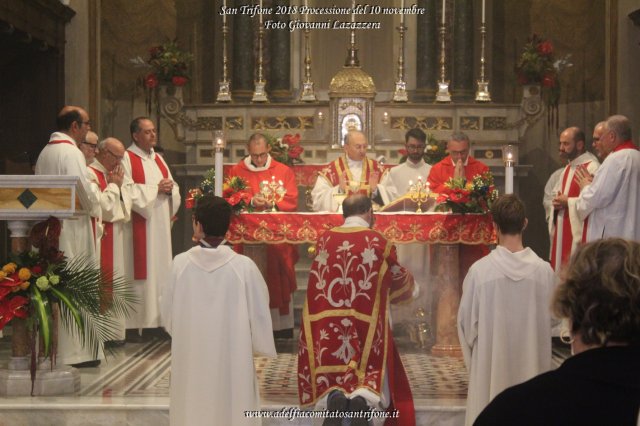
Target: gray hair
620 125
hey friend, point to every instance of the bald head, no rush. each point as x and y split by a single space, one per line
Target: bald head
571 143
74 121
356 205
355 145
111 151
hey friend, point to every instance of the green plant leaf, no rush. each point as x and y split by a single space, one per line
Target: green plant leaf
40 305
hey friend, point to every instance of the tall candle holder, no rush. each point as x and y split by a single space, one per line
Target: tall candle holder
224 93
260 94
419 192
443 95
273 192
400 93
482 94
308 94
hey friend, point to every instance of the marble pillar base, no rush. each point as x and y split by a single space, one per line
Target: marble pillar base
16 380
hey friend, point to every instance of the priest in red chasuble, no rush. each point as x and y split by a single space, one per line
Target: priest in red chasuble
351 173
257 167
347 358
456 165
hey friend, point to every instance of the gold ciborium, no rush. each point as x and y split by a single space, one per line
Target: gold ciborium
273 192
419 192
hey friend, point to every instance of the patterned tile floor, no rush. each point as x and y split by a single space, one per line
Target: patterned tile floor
140 370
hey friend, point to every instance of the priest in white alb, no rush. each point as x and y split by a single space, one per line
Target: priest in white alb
565 227
115 211
216 308
62 157
504 321
350 173
415 256
155 200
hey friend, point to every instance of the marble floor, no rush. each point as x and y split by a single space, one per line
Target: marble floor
132 388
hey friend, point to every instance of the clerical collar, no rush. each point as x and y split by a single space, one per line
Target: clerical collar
211 242
413 165
355 221
252 167
141 152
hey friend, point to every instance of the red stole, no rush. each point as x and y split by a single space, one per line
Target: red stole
139 223
567 235
339 166
106 243
625 145
61 141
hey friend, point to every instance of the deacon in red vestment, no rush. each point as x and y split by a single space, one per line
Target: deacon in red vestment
349 174
459 164
257 167
565 227
346 343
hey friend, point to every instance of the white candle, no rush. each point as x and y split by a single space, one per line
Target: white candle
402 12
508 175
444 2
483 11
217 185
410 182
224 15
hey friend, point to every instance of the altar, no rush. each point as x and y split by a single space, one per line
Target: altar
444 230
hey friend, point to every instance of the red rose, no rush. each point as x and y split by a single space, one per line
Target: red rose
37 269
545 48
179 80
291 139
234 199
150 80
548 81
403 152
295 151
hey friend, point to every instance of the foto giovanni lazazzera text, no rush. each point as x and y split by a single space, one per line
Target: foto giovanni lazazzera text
315 18
292 413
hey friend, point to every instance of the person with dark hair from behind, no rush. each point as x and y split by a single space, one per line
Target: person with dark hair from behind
599 302
347 359
216 309
504 323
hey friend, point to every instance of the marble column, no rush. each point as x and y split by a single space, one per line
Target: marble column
426 51
447 297
243 62
279 85
463 58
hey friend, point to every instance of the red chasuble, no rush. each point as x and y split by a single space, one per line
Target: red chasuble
281 258
345 340
139 223
443 170
335 169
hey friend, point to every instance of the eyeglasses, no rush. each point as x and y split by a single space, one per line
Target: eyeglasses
415 147
117 157
259 156
94 146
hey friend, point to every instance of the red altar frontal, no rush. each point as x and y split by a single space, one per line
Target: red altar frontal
444 230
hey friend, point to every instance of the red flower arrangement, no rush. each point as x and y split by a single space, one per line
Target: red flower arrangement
169 64
475 196
287 149
234 190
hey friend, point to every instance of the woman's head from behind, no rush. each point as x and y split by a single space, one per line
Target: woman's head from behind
600 293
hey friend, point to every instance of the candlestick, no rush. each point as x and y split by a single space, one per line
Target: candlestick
306 15
273 192
224 15
224 94
444 2
353 8
419 193
483 20
402 13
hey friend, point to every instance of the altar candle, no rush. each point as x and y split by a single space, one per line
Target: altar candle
444 2
217 188
410 182
402 13
224 15
508 175
483 11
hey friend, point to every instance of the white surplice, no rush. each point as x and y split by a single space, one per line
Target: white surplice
76 237
612 200
396 183
157 209
216 308
115 207
563 186
415 256
504 323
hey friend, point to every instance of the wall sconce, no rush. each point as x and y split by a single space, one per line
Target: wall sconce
385 118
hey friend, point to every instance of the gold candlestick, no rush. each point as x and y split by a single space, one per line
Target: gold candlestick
443 94
419 192
224 94
400 93
273 192
308 94
260 94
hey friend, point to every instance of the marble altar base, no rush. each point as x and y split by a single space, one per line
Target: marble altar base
62 380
